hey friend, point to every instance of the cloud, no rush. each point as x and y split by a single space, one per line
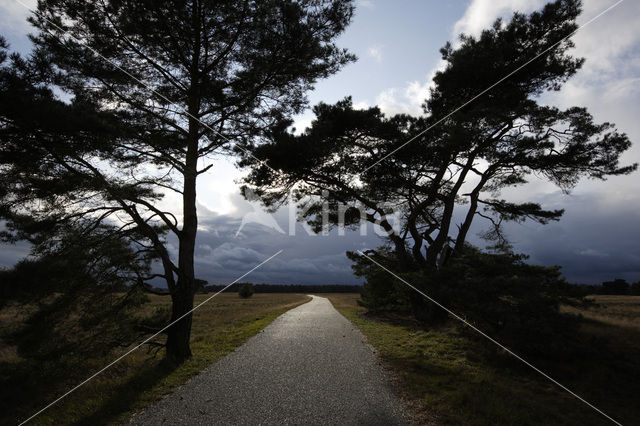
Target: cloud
375 52
13 21
597 238
610 53
367 4
303 121
592 253
610 42
392 101
479 15
14 15
407 100
361 105
221 256
231 260
234 257
482 13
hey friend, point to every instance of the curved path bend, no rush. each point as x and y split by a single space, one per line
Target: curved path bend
309 366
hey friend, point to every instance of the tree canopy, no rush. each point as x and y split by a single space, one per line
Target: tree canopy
457 157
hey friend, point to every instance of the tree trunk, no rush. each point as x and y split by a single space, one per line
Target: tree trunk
401 253
471 212
424 310
178 348
435 247
179 334
464 228
433 251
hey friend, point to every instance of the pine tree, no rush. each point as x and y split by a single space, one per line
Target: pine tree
183 80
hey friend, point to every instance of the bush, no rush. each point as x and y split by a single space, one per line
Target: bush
380 292
246 290
512 301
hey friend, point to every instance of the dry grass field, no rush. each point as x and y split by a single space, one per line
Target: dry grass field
619 311
448 378
219 327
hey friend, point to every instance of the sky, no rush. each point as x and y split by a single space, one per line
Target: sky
397 44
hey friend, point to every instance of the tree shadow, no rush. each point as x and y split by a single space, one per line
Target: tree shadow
126 395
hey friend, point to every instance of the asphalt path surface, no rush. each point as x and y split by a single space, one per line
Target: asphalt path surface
310 366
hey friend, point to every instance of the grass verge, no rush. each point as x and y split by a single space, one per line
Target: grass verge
219 327
449 378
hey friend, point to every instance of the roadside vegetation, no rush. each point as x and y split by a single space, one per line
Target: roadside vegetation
219 326
449 377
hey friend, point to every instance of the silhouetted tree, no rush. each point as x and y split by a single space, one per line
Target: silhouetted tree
634 290
183 78
457 157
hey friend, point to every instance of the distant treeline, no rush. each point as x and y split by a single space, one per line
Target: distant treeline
289 288
616 287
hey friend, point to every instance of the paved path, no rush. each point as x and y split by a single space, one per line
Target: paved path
309 366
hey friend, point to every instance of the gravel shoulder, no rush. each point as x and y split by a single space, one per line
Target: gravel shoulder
311 366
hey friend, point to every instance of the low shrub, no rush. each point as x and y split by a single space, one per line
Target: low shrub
246 290
510 300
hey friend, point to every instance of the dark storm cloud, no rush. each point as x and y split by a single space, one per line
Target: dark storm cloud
593 242
223 253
